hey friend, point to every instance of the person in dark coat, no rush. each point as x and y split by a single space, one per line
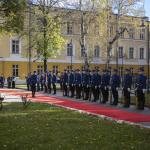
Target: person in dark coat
105 86
49 78
65 83
33 82
78 82
127 83
115 84
54 81
141 89
96 82
71 82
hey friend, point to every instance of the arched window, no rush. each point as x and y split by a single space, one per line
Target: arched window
69 49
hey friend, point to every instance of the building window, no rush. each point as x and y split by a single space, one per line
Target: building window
131 53
142 34
96 51
39 69
120 52
69 49
141 53
55 69
15 46
15 70
131 33
69 28
121 32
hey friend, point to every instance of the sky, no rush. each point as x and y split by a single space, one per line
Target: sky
147 8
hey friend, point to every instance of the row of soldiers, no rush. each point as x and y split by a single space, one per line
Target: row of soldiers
93 85
11 81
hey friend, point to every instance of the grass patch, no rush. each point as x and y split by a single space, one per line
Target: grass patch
45 127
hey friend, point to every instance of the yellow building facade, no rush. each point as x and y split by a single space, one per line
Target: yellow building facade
130 50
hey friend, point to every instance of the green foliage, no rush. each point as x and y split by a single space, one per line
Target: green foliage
45 127
12 14
50 44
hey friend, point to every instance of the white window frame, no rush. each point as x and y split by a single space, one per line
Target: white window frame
143 55
69 28
96 51
11 42
120 52
15 67
129 52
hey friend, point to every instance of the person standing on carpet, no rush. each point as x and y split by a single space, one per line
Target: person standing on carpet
115 84
33 82
127 82
105 86
71 82
54 81
65 83
141 89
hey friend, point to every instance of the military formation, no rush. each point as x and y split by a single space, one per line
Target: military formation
92 85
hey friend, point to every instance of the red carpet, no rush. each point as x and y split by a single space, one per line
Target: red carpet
88 107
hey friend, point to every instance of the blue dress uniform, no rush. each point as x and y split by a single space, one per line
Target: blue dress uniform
49 81
33 82
28 78
65 83
127 83
2 81
104 86
140 88
95 83
86 85
71 82
78 82
54 81
115 84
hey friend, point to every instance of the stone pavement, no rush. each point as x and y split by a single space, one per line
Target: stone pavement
16 98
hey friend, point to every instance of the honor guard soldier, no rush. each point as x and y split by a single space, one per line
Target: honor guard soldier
9 81
54 81
2 81
49 78
28 78
33 82
115 84
78 82
141 89
13 82
42 81
105 86
86 85
127 83
71 83
65 83
95 83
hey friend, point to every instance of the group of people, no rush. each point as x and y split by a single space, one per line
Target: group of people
92 85
11 81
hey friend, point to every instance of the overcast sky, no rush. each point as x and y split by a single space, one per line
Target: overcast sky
147 8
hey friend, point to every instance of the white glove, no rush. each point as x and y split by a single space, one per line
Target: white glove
129 90
95 87
72 85
79 84
117 88
105 87
87 86
109 88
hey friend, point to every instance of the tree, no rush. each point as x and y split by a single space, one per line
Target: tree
46 29
12 14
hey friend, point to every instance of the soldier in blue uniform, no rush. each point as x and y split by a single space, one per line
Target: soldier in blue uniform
105 86
33 82
42 81
78 82
95 83
127 83
49 82
140 89
28 77
54 81
65 83
2 81
115 84
71 82
86 85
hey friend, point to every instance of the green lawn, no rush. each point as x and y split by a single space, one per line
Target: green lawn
45 127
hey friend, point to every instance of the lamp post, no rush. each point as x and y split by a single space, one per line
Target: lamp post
148 50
